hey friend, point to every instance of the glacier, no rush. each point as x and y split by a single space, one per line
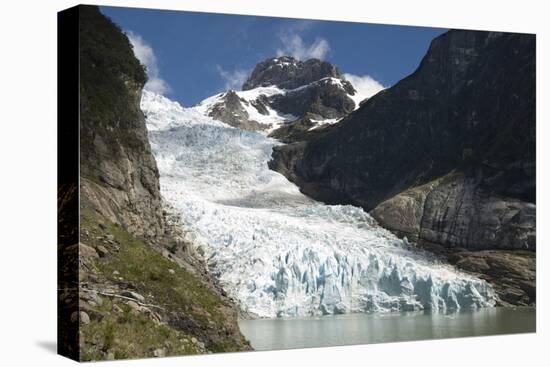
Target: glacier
277 252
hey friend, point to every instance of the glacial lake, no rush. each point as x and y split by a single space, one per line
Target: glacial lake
360 328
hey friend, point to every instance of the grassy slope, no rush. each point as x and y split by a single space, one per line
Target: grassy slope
188 306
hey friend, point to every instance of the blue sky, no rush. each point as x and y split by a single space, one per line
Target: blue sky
191 56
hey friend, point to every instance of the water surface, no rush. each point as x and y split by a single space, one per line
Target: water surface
360 328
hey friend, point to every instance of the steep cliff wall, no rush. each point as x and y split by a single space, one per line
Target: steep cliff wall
447 155
142 291
119 176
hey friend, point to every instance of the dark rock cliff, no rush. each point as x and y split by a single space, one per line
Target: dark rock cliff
304 128
118 172
143 291
445 157
324 97
286 72
232 112
469 107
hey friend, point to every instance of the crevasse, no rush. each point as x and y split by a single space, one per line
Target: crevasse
277 252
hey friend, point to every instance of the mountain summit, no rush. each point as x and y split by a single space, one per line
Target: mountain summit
286 97
286 72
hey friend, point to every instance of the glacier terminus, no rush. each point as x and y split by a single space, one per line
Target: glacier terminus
277 252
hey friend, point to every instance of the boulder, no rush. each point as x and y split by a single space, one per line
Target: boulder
102 251
84 318
160 352
134 295
87 251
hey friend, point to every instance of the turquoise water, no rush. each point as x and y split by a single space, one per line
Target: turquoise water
358 328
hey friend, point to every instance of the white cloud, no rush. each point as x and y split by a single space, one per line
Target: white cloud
294 45
365 85
145 54
233 79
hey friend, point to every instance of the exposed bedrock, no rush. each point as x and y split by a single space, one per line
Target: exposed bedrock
286 72
286 87
130 250
118 173
446 157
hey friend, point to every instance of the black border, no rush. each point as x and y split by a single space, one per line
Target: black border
68 182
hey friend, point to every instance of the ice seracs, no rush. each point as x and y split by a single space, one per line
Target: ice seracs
162 113
275 251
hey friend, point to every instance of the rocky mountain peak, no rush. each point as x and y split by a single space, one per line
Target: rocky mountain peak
232 110
286 72
281 90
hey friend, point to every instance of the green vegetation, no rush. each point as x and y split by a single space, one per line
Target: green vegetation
107 63
171 310
189 307
130 335
149 271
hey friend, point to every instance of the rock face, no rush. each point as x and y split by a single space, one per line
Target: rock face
301 129
446 156
286 72
457 212
512 273
313 86
282 90
327 98
119 176
231 111
128 241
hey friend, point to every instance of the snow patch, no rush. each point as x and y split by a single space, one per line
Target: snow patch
319 123
272 120
365 87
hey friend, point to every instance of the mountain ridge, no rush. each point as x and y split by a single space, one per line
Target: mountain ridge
280 91
446 157
286 72
456 166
